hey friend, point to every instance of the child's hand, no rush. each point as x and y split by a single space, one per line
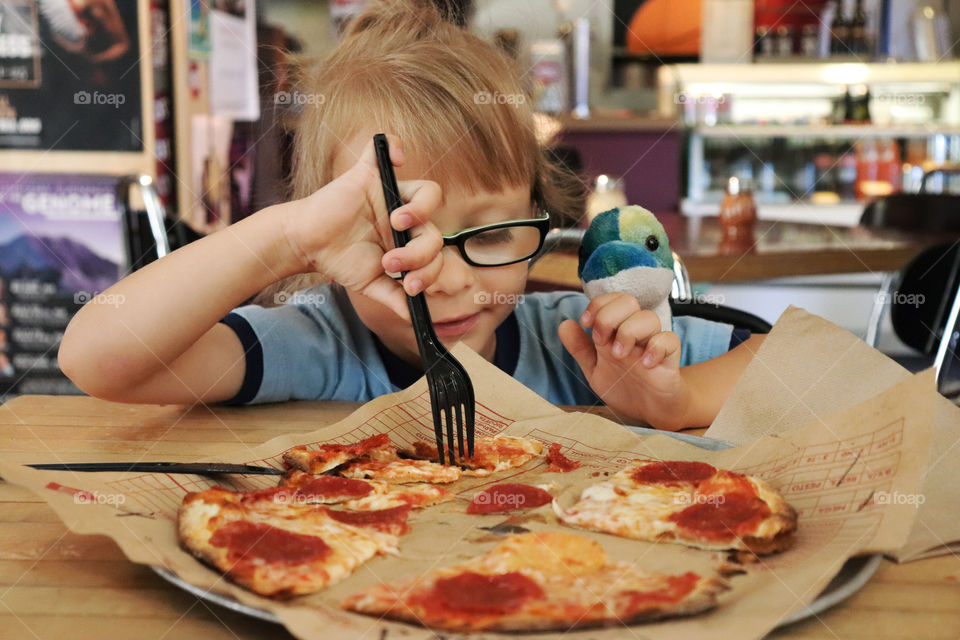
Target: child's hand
630 363
341 231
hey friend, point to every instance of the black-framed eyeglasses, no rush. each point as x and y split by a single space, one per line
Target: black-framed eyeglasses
501 243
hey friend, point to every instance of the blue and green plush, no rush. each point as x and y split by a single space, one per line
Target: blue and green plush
627 250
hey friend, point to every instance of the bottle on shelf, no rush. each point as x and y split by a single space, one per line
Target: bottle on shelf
839 33
847 175
859 36
868 168
738 216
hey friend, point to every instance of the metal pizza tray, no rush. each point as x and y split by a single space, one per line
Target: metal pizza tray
852 576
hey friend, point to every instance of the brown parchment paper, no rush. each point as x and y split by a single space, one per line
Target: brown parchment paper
807 368
830 469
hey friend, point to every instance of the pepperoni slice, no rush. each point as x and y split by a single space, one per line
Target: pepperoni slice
475 594
509 496
675 590
559 462
249 541
723 516
393 520
334 486
674 472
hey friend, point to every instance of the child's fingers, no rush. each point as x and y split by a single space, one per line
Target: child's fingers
418 280
422 198
368 158
636 329
425 243
578 343
609 318
663 348
385 290
590 313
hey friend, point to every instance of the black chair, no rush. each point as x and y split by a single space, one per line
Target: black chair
913 212
148 233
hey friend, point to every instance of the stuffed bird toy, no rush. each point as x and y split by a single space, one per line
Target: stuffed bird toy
626 250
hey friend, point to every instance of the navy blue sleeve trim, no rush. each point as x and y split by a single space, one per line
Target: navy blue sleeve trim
253 352
738 337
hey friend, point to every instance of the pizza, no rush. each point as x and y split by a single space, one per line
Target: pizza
400 471
360 495
279 547
330 456
491 454
538 582
691 503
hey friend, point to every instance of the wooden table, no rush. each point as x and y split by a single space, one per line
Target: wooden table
62 586
782 249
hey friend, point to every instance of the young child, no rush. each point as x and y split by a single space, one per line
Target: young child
466 155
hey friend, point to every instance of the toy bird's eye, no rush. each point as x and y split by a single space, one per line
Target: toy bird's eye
652 243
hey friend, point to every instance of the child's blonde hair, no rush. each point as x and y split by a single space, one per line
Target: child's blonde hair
451 97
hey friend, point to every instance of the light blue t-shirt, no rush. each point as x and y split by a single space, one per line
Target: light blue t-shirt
316 348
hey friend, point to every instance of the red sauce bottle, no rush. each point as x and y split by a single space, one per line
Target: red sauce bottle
738 216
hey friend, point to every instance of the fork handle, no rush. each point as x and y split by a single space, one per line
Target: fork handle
391 193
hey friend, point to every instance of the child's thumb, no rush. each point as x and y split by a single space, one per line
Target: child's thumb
389 292
579 344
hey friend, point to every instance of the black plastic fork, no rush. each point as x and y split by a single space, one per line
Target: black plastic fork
451 392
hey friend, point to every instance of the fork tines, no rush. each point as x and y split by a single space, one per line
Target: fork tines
451 392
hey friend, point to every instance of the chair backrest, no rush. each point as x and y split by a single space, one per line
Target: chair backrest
922 300
934 212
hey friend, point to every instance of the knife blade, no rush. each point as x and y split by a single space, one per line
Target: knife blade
196 468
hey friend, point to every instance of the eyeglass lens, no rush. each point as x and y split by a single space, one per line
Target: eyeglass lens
500 246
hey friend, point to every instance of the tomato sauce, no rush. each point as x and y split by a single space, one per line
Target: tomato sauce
674 472
724 517
475 594
676 589
394 519
247 541
559 462
334 486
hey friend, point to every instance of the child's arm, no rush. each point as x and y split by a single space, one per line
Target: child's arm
155 335
635 367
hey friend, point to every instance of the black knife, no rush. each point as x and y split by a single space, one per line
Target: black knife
196 468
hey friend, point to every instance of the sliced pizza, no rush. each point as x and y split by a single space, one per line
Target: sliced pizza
537 582
360 495
490 453
329 456
401 471
692 503
278 547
